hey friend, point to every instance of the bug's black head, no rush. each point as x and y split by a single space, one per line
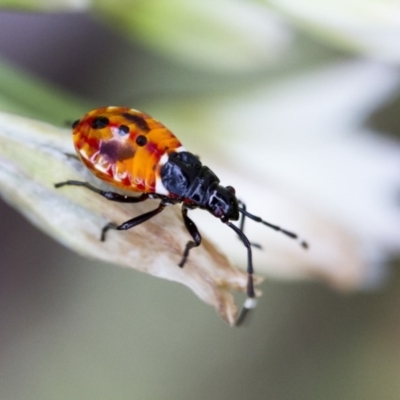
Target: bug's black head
223 204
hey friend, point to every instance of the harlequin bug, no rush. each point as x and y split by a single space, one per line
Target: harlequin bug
132 151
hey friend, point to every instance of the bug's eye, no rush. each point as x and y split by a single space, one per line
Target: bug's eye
231 189
75 124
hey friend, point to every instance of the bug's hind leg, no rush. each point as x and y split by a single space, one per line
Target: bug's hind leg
112 196
194 233
132 222
105 193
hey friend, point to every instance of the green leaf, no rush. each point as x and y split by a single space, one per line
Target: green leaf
32 97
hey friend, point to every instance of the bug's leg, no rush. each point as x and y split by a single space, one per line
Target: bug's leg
72 155
194 233
277 228
132 222
251 301
242 216
107 194
241 223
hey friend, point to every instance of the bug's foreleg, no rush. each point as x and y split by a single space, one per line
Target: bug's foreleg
251 301
105 193
194 233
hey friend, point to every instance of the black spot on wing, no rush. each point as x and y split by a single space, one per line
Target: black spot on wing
141 140
138 121
100 122
123 130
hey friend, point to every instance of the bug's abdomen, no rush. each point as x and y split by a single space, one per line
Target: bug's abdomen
123 147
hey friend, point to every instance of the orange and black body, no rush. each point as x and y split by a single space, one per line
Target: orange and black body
132 151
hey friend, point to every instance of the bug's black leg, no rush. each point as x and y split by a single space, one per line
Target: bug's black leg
241 223
194 233
72 155
132 222
277 228
251 301
242 216
107 194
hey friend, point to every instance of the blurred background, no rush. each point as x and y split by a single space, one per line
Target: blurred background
301 99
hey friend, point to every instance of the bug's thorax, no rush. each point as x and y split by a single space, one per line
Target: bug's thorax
184 176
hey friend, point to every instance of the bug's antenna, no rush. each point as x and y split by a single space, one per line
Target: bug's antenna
277 228
251 301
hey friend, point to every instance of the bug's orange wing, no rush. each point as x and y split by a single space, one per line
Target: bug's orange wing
123 146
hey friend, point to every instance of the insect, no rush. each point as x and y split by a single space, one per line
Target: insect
132 151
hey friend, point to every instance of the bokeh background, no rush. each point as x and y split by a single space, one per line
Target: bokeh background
71 328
